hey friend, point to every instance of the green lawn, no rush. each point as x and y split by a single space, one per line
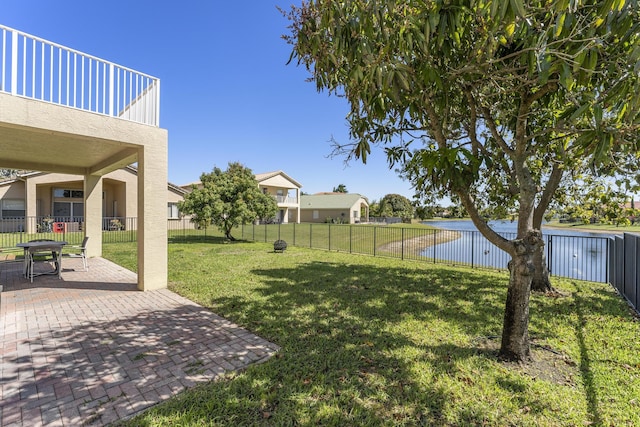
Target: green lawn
378 341
578 226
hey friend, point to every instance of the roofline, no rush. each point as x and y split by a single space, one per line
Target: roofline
274 173
266 176
130 168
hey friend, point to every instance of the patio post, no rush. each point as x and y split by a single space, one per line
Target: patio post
93 214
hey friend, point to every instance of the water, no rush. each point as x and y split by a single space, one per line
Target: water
570 253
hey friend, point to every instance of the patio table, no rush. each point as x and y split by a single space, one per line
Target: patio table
38 247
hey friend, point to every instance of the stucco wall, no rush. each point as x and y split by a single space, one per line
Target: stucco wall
307 215
15 190
119 185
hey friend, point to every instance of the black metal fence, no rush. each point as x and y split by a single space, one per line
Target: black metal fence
115 229
625 269
597 259
576 257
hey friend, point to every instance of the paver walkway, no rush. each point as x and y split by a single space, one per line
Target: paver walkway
91 349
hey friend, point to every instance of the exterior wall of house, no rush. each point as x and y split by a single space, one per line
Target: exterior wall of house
323 214
121 186
287 196
344 214
15 190
118 199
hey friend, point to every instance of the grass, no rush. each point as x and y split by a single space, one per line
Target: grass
367 239
595 227
377 341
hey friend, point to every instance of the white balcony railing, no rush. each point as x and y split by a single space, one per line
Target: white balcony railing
286 200
35 68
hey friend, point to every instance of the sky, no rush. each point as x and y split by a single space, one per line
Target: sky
227 93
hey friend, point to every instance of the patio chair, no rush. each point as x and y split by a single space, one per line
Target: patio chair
80 251
42 254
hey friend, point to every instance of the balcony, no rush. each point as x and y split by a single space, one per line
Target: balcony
34 68
286 200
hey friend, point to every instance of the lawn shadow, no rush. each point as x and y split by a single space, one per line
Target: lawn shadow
191 239
340 330
96 371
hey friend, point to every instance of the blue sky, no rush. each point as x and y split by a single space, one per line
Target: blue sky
226 91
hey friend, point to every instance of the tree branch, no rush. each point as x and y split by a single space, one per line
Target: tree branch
547 195
481 224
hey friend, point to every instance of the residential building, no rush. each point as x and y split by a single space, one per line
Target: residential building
36 196
284 189
346 208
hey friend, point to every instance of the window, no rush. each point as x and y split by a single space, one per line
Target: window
12 208
61 193
68 211
172 211
316 214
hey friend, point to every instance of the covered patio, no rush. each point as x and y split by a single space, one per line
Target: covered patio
64 111
90 349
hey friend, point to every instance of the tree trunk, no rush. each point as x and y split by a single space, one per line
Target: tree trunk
540 281
228 235
515 331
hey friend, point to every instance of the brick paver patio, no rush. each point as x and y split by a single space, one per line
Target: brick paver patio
91 349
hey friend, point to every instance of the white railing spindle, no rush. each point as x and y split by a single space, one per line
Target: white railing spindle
42 72
24 64
94 85
14 63
33 70
4 61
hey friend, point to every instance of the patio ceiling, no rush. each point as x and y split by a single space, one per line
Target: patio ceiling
45 137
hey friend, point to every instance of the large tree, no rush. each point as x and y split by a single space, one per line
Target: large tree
228 199
488 102
396 205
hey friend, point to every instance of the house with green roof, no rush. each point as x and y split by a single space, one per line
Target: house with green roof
348 208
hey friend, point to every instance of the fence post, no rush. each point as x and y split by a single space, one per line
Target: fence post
434 245
265 233
402 243
549 252
294 234
253 229
279 226
374 240
473 235
350 237
329 236
310 235
606 264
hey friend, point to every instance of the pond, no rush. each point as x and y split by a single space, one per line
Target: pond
570 253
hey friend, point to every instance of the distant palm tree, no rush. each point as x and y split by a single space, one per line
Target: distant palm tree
341 188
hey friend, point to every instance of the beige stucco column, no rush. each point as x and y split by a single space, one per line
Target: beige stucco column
93 214
152 217
298 207
31 201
